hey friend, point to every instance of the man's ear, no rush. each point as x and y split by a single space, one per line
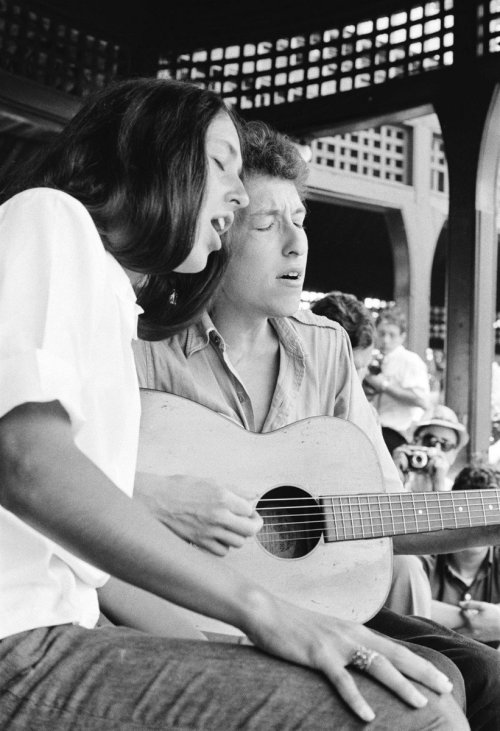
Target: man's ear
403 337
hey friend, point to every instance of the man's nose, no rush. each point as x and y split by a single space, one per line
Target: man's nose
296 241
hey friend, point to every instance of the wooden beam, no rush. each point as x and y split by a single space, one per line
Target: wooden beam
33 110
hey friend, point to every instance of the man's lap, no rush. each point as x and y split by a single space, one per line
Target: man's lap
478 663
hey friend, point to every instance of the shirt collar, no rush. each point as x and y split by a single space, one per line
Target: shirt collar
200 334
288 336
203 332
481 572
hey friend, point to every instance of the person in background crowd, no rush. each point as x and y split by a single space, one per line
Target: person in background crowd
442 436
357 321
465 585
401 390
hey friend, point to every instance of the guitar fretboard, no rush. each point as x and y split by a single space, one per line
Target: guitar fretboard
354 517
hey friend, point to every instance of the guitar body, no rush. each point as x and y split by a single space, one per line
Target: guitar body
311 458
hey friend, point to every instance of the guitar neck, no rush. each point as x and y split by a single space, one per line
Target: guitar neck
377 515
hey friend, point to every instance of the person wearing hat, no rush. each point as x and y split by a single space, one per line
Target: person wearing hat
443 436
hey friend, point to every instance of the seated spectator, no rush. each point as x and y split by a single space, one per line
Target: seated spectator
401 390
465 585
440 437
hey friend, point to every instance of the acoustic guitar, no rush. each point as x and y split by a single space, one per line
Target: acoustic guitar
317 483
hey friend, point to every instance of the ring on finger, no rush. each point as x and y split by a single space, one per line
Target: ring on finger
362 658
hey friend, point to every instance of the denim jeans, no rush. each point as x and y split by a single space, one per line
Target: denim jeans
478 663
73 679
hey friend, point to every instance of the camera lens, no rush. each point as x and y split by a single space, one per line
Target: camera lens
419 460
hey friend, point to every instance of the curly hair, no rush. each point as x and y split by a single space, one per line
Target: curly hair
351 313
476 477
269 152
134 156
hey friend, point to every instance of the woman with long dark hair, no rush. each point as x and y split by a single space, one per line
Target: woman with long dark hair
142 182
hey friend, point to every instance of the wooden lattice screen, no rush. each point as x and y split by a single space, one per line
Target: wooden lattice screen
488 24
344 58
50 50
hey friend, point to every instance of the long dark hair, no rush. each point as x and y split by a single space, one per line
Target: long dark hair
134 156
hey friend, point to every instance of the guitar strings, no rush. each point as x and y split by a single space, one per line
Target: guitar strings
361 508
369 510
369 520
371 513
452 497
342 532
366 513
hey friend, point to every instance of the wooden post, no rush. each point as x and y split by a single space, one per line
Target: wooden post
465 109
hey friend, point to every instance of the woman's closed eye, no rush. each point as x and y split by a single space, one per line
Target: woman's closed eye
219 164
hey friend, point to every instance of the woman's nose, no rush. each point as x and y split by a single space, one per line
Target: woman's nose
238 195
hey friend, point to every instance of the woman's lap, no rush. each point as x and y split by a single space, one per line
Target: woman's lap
67 677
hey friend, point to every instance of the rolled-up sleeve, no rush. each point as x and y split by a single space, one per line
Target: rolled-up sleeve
51 279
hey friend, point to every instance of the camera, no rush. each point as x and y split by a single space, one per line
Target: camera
375 366
414 458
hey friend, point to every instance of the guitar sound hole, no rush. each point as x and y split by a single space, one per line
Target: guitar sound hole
293 522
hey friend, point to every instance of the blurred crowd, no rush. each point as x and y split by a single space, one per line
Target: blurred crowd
461 590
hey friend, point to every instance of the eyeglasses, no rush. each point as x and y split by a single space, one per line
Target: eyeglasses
430 440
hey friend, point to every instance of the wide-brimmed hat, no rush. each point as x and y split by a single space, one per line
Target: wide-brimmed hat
444 416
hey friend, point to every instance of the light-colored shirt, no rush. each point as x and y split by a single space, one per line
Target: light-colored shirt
406 369
67 317
316 377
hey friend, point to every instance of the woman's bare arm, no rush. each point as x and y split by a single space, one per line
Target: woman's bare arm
130 606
